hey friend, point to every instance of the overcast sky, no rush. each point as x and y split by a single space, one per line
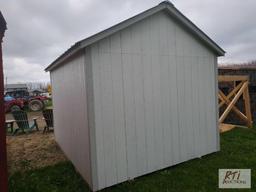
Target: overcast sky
39 31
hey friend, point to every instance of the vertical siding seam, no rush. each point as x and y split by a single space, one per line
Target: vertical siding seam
178 110
153 108
196 103
144 116
101 107
134 102
216 103
125 121
143 96
144 53
192 119
211 61
113 103
171 127
184 70
161 54
205 110
144 103
208 112
199 104
166 59
169 110
185 112
88 111
162 111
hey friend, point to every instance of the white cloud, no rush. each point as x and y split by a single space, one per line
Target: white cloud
19 70
39 31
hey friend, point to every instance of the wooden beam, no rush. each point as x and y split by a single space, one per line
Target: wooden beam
226 127
232 93
234 108
228 78
221 100
247 106
232 103
241 88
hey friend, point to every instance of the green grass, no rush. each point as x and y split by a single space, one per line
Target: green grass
238 150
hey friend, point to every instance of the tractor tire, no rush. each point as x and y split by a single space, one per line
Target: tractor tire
15 108
35 105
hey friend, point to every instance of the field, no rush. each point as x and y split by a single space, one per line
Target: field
238 149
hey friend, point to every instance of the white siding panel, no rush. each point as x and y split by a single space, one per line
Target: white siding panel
138 73
118 104
181 108
149 113
190 137
173 109
129 111
99 137
70 113
107 118
135 102
202 113
165 117
158 129
211 105
140 116
195 106
150 158
151 109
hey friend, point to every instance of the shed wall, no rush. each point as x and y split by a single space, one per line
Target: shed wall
70 113
154 90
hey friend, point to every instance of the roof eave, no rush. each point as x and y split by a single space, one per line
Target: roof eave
195 30
105 33
71 51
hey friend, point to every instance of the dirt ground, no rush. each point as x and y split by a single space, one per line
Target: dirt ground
32 150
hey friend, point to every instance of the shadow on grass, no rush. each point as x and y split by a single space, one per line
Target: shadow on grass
238 150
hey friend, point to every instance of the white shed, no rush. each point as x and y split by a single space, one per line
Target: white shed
137 97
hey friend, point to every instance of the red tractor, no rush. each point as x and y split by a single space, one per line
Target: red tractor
13 104
34 103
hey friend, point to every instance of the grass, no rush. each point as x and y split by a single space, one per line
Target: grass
238 150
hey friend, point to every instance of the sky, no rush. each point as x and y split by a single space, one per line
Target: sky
39 31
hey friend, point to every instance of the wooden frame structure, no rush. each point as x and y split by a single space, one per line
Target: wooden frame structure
240 89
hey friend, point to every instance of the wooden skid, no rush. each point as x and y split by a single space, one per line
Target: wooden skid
226 127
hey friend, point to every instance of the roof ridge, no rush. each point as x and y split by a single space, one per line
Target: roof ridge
166 2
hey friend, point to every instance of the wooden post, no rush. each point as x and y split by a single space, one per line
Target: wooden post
247 106
3 159
232 93
234 108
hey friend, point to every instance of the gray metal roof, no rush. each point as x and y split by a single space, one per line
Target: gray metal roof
163 6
